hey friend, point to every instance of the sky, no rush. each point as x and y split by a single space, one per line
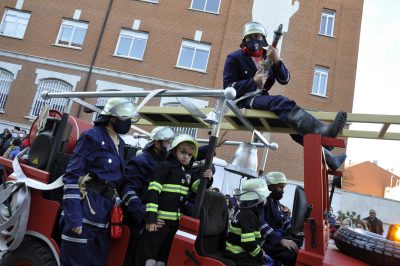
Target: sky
377 88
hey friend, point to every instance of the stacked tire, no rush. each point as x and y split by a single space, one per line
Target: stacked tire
366 246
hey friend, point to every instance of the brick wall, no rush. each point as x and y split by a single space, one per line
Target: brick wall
168 23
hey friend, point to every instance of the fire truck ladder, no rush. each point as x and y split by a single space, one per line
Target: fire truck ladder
234 118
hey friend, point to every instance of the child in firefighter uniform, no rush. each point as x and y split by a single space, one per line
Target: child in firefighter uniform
167 194
138 172
94 172
242 243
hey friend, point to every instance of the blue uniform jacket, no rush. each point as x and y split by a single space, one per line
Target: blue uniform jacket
95 153
240 69
138 172
273 222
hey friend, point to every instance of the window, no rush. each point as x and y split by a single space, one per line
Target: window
194 56
51 85
327 22
14 23
72 33
206 5
6 79
320 81
131 44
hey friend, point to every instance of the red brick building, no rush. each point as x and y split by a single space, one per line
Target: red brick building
148 44
368 178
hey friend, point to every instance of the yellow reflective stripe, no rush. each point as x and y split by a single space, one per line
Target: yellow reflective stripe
172 188
255 251
257 234
155 186
249 237
234 249
174 216
151 207
195 185
235 230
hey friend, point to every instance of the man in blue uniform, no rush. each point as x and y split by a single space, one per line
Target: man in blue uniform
275 224
94 172
138 172
248 73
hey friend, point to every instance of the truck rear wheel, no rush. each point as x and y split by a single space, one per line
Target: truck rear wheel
31 252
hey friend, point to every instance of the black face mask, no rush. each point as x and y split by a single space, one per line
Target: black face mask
122 126
276 195
254 45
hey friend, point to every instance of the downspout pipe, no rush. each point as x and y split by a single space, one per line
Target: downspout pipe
96 51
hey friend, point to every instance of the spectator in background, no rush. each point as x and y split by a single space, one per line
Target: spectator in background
347 222
14 149
4 131
362 225
332 223
374 223
5 142
22 133
25 142
15 132
231 208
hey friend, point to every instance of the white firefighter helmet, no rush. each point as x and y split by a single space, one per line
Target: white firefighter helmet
274 178
119 107
254 189
185 138
253 27
161 133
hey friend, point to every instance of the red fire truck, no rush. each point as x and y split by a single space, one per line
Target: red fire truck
29 199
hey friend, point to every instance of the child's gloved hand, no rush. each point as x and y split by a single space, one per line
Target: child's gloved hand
151 227
267 260
208 174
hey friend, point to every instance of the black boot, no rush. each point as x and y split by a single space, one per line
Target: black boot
304 123
334 161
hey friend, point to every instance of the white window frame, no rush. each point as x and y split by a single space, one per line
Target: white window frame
6 80
173 102
51 85
196 46
204 8
22 21
68 23
5 84
328 16
320 89
150 1
132 35
43 74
